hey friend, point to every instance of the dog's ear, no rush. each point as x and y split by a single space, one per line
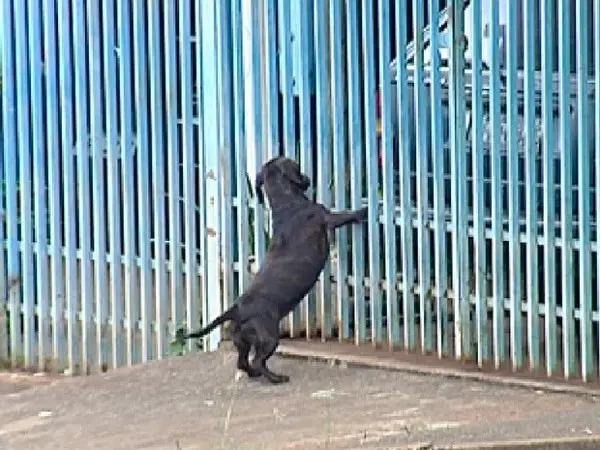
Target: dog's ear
290 170
258 186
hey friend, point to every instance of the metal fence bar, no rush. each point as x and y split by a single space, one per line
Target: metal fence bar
584 197
189 197
174 224
438 151
422 154
140 51
155 65
566 194
596 41
497 243
9 120
404 149
372 172
128 148
387 162
356 173
98 178
271 80
114 191
240 145
339 125
67 132
547 15
323 101
479 241
462 323
514 245
531 202
39 187
306 136
225 149
212 173
287 91
24 180
4 304
83 182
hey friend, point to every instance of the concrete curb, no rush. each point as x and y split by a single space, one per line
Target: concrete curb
587 443
289 350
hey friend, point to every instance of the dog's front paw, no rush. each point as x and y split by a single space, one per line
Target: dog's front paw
363 213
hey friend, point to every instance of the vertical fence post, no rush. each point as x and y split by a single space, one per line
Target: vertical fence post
212 173
596 41
39 186
458 187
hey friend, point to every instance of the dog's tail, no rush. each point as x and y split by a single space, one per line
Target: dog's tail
230 314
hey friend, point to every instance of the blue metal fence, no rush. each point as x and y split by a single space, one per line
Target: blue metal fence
132 129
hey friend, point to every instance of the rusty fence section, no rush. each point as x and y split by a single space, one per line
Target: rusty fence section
132 131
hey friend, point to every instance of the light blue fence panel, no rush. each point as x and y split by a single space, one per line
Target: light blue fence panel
159 170
386 160
323 144
42 281
84 310
531 187
24 181
597 163
356 168
548 13
140 50
113 178
339 126
98 150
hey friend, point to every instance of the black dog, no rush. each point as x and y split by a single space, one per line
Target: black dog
297 254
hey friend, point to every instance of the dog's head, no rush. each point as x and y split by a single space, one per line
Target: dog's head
280 174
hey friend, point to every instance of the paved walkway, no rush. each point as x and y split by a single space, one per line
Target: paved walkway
194 402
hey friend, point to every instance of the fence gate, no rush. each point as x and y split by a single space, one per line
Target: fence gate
133 130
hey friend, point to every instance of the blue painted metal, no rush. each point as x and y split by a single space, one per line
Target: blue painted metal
39 188
306 137
339 126
9 147
371 162
174 211
437 151
212 174
140 51
597 142
159 172
83 183
462 326
584 197
25 181
514 244
497 229
422 152
404 152
566 194
68 179
323 158
114 191
477 152
356 165
100 231
188 150
547 15
389 225
531 180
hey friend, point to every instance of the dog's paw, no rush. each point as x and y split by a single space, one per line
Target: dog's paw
278 379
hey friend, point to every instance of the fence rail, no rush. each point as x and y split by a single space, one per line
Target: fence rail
131 131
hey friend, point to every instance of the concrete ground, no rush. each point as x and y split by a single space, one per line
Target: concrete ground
194 402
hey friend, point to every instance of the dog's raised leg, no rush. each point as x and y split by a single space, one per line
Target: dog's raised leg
337 219
264 350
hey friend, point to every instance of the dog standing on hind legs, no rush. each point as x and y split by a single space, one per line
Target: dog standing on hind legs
296 256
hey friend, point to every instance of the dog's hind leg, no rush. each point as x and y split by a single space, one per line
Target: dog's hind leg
265 348
243 349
